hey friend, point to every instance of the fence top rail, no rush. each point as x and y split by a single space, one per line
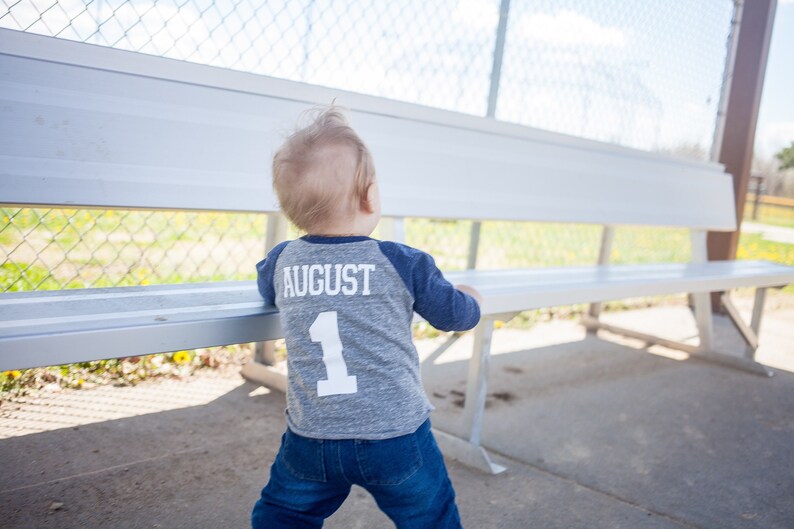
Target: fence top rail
85 125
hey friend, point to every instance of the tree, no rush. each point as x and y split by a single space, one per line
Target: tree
786 157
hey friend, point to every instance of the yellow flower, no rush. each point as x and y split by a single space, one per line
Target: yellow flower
181 357
13 374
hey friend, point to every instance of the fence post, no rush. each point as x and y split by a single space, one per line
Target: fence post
493 96
758 189
735 132
741 99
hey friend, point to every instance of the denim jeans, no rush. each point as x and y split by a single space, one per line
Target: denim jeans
310 479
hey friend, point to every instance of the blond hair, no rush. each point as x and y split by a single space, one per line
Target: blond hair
322 171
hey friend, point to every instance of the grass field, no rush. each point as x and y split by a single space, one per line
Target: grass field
52 249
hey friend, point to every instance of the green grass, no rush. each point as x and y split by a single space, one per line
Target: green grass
16 277
752 246
52 249
771 214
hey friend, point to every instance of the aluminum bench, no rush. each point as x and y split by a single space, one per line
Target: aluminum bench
88 126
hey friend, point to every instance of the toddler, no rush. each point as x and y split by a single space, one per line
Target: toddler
356 409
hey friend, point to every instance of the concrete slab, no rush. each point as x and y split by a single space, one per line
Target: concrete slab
707 446
595 434
203 466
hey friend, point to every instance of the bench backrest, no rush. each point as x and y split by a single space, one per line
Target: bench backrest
84 125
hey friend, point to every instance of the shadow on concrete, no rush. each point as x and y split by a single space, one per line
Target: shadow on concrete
594 434
704 445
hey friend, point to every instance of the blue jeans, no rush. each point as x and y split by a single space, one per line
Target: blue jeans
310 479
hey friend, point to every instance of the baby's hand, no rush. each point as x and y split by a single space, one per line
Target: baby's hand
473 292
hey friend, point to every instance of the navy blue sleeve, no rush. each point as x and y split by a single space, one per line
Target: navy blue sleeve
435 299
264 273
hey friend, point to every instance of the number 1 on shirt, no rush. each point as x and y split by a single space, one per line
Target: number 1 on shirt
325 330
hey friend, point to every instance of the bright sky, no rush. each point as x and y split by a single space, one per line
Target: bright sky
776 117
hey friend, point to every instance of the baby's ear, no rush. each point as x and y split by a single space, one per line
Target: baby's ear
370 199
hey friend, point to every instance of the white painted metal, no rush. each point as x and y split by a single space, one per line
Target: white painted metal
604 252
747 333
525 289
702 299
392 229
87 125
92 126
265 353
474 245
755 319
53 327
758 309
477 385
28 45
472 455
277 225
736 362
67 326
274 377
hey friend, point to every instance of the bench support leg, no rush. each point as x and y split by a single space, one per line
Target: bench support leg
469 452
272 377
265 353
477 385
758 310
736 362
749 333
470 455
277 227
607 238
703 318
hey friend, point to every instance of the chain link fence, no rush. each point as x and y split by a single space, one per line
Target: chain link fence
63 248
641 74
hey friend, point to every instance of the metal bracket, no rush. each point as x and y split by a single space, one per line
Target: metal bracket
467 453
747 332
273 377
741 363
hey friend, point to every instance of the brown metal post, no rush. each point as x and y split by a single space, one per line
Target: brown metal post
737 132
744 96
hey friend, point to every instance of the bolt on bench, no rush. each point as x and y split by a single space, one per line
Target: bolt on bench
176 135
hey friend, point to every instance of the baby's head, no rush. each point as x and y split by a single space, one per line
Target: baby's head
325 178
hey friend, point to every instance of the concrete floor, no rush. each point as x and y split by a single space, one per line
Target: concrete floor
595 432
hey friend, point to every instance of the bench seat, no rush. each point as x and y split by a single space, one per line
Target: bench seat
55 327
93 127
506 291
65 326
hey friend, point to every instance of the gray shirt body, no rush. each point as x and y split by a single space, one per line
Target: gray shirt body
346 310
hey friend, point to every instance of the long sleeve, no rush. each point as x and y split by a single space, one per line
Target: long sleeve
264 274
435 299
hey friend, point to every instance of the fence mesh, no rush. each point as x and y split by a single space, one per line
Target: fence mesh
646 75
62 248
643 74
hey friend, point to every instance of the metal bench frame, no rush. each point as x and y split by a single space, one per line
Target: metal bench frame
431 163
